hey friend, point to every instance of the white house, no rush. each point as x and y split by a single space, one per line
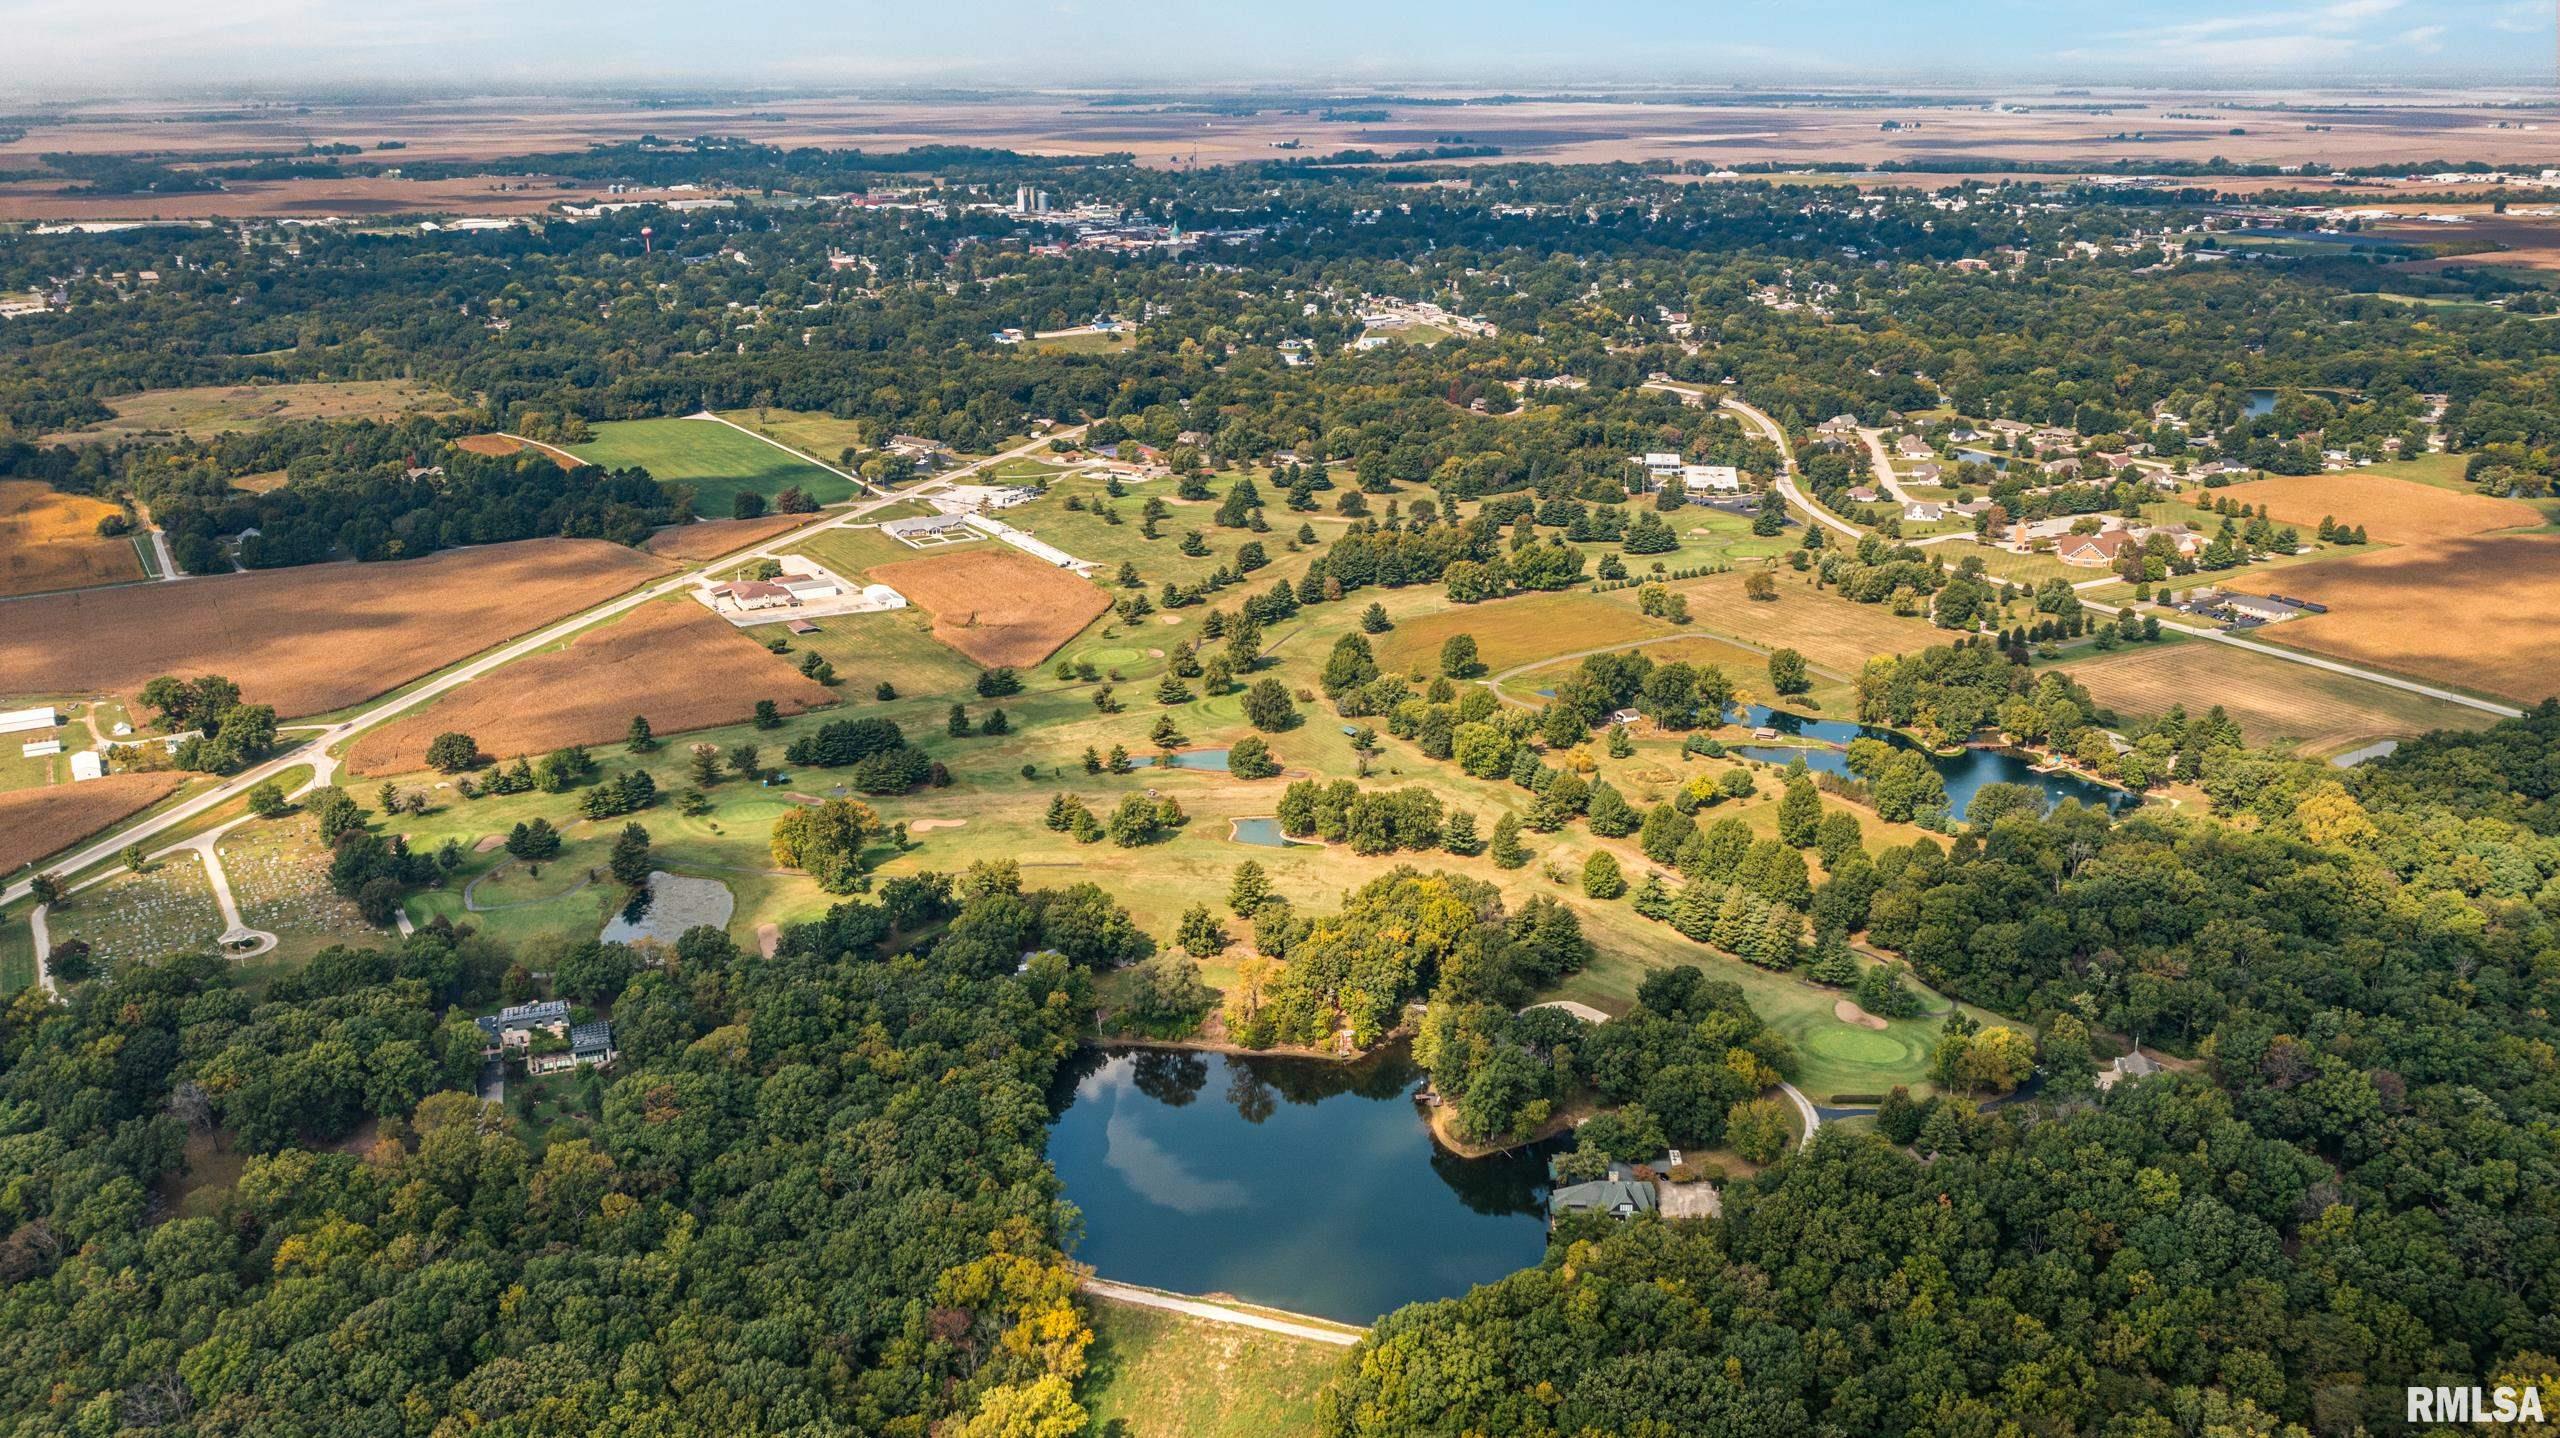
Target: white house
86 765
1723 478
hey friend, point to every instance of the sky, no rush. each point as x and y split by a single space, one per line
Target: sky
62 47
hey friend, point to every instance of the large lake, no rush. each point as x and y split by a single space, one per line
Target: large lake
1297 1183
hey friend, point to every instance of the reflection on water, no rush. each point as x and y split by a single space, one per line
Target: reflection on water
1963 773
1309 1185
1263 833
1212 759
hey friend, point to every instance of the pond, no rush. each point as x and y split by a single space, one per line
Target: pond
1963 773
1298 1183
676 903
1211 759
1263 833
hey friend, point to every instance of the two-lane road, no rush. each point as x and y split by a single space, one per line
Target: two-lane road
314 749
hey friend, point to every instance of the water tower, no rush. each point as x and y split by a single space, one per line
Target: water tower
647 245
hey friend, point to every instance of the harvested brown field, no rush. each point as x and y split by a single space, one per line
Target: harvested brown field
2523 241
674 661
206 411
2399 511
36 823
711 538
49 540
2274 701
311 639
998 606
509 444
2481 612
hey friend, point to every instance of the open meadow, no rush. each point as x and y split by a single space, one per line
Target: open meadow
1832 633
822 435
2480 612
1155 1374
209 410
717 461
674 661
315 638
50 540
509 444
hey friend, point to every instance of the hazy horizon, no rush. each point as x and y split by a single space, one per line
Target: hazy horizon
177 50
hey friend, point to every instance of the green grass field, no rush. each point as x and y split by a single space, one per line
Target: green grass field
713 458
1164 1375
17 952
822 435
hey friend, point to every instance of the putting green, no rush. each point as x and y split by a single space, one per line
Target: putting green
1864 1048
751 811
1111 656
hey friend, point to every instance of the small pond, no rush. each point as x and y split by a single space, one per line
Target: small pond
1298 1183
1211 759
676 903
1264 833
1963 773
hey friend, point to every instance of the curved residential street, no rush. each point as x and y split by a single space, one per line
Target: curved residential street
1786 486
1786 482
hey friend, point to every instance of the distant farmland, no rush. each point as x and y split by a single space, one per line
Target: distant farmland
312 639
50 540
209 410
713 458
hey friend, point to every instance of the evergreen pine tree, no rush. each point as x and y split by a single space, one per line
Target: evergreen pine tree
1507 852
1249 888
1693 913
1800 813
1833 964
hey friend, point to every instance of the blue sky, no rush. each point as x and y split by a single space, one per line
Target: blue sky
1517 43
